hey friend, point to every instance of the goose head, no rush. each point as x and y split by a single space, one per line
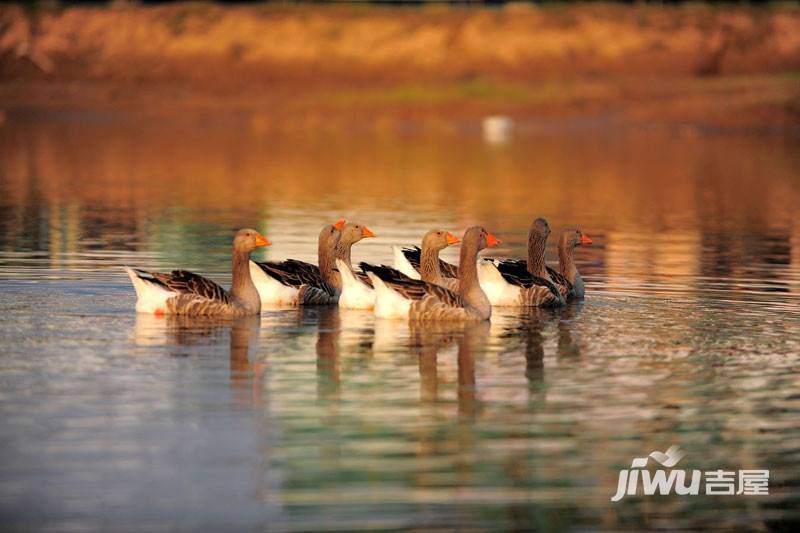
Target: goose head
437 239
572 236
329 235
352 232
539 228
479 237
247 240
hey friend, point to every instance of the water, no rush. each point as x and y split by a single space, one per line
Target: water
326 419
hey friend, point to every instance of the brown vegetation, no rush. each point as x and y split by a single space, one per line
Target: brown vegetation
518 59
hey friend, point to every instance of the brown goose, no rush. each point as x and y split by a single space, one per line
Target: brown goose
294 282
519 283
398 296
185 293
424 263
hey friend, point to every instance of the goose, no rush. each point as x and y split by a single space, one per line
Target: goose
294 282
567 279
424 263
398 296
357 292
185 293
520 283
568 275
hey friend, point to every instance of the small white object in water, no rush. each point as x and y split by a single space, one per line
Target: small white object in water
497 129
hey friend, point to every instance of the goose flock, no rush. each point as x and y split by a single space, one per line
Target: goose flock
419 287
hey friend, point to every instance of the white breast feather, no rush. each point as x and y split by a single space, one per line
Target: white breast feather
388 302
402 264
497 289
355 295
272 291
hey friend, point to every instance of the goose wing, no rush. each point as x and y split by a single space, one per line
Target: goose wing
185 282
413 254
362 276
412 289
294 273
565 287
516 273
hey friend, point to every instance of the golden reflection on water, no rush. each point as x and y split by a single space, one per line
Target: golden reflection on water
81 195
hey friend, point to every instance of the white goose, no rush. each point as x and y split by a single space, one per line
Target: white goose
519 283
399 296
294 282
357 291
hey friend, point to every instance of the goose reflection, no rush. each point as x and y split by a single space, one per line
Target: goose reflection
327 347
429 339
568 346
183 336
471 341
180 334
246 369
531 329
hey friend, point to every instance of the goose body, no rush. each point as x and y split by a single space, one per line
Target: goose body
523 283
407 260
509 284
402 263
294 282
356 288
398 296
356 292
570 238
424 263
181 292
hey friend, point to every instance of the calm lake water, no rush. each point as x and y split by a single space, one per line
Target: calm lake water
326 419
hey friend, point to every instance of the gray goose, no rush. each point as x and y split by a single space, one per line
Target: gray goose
523 283
398 296
567 279
185 293
294 282
424 263
568 275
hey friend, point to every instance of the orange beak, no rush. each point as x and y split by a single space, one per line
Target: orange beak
452 239
491 240
262 241
365 232
585 239
339 224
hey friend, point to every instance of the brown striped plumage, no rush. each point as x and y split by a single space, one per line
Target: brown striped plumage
569 238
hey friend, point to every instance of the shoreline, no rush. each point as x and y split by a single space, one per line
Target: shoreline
764 104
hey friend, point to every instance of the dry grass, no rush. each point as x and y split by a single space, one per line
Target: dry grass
641 60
